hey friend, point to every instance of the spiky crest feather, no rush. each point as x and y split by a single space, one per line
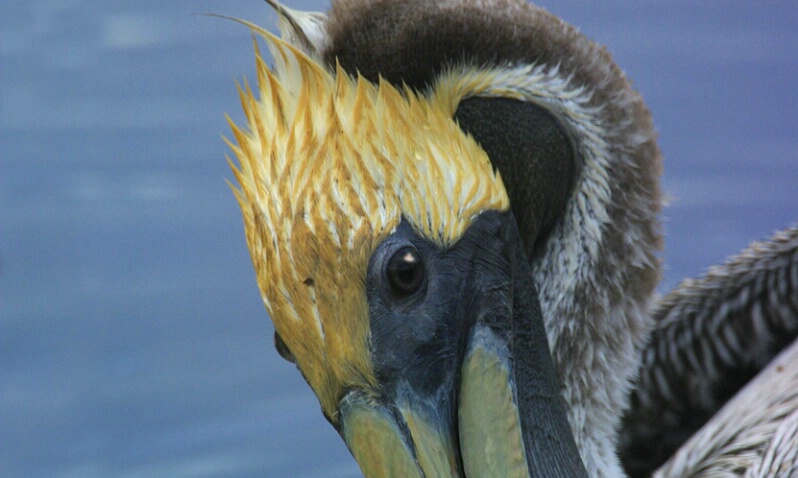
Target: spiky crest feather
328 167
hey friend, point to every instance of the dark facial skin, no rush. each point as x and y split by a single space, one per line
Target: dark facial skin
425 302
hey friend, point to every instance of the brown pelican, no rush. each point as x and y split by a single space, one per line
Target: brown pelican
451 208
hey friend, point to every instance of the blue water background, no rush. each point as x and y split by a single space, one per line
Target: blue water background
133 341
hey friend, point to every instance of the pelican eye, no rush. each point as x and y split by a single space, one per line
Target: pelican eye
405 272
283 349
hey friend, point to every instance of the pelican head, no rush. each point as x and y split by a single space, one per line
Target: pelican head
454 249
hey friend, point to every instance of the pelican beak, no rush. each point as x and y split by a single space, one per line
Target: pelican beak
416 437
481 398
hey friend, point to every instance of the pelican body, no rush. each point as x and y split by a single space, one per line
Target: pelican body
451 208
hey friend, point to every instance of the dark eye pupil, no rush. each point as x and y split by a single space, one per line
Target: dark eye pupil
282 348
405 272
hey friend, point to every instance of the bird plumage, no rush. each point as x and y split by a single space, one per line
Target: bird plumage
712 336
602 249
587 218
328 167
753 435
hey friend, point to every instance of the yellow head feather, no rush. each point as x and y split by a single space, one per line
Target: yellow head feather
328 167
